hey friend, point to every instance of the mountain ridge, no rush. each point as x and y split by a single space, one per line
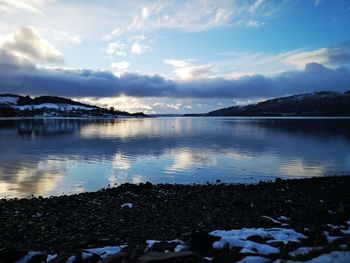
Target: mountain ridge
323 103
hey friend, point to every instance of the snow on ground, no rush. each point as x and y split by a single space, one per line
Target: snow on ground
104 252
333 257
303 251
181 245
239 238
331 239
127 205
254 259
272 220
55 106
28 257
8 100
178 248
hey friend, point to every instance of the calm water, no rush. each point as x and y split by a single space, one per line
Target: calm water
51 157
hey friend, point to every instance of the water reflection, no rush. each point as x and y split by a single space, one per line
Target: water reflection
49 157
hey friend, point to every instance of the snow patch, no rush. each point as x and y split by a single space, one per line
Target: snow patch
28 257
331 239
179 248
71 259
303 251
181 245
127 205
238 238
8 100
283 218
254 259
51 257
150 243
272 220
55 106
336 256
104 252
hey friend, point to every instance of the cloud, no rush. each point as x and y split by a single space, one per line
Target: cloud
198 15
255 6
116 49
25 78
239 64
138 48
67 38
330 56
318 2
11 6
185 70
134 45
9 62
254 23
26 42
178 63
121 67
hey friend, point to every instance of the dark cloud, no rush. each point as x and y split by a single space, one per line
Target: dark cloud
340 54
19 76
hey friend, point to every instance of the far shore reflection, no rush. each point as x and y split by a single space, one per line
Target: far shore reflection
55 156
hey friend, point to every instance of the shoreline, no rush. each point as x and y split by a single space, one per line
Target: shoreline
183 116
170 212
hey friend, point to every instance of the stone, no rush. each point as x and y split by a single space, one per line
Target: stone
171 257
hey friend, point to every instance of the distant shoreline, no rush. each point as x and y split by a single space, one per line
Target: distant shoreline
74 118
155 116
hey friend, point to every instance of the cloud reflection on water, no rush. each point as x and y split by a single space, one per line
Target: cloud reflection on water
45 157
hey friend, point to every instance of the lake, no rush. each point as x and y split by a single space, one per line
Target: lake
64 156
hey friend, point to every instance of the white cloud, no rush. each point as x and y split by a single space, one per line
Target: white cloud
138 48
26 42
11 6
120 65
185 70
255 6
176 106
198 15
116 49
242 64
134 45
178 63
254 23
67 38
301 58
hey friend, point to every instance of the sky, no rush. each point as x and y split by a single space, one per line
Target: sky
170 56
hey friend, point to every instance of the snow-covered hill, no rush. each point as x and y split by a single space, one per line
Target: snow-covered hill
12 105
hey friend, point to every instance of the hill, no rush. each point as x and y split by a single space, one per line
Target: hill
12 105
325 103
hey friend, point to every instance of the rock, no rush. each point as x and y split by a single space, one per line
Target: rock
171 257
202 242
227 256
38 258
117 258
163 246
12 255
257 239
